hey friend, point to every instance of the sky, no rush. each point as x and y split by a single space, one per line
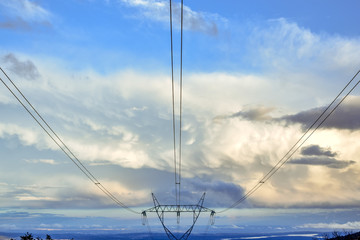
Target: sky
256 74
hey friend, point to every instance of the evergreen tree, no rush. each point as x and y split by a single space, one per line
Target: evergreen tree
27 236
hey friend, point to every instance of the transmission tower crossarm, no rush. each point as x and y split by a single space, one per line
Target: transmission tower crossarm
178 208
195 209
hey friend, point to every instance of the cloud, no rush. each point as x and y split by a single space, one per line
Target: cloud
26 8
17 23
345 117
347 225
46 161
158 10
316 150
123 118
27 197
317 156
26 136
294 50
218 193
44 221
44 226
23 14
227 157
69 192
260 113
14 214
322 161
25 69
8 227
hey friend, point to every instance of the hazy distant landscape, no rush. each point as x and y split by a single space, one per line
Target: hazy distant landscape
161 236
222 233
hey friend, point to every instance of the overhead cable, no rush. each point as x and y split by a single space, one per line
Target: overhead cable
59 142
299 143
173 104
181 93
177 148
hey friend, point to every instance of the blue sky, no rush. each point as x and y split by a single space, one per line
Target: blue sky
256 73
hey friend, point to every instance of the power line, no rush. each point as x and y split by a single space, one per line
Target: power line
296 146
173 103
181 93
177 157
57 140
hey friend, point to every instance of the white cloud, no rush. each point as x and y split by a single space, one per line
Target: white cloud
8 227
28 197
27 136
66 191
158 10
49 227
26 9
124 118
92 118
294 54
46 161
347 225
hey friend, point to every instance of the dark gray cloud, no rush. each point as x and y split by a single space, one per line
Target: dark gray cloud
252 114
196 21
17 23
346 116
257 114
322 161
20 24
218 193
23 15
316 150
25 69
319 156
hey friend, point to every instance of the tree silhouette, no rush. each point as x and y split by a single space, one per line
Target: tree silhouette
27 236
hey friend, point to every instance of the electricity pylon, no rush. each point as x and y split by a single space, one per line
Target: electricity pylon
178 209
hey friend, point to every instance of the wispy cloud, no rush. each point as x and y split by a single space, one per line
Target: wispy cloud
287 43
22 14
260 113
158 10
46 161
56 194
